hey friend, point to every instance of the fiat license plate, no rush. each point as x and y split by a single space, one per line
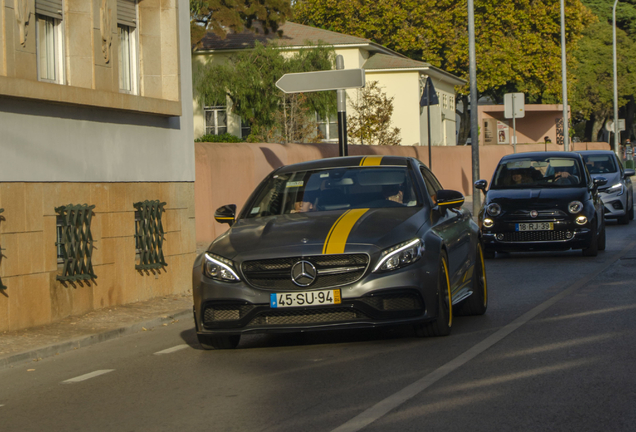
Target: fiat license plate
535 226
305 298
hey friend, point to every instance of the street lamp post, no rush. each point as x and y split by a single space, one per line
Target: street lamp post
616 132
564 78
474 128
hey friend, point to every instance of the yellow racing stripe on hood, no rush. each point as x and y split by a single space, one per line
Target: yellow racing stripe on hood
339 233
371 161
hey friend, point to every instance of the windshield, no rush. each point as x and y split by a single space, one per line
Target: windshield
538 172
335 189
599 164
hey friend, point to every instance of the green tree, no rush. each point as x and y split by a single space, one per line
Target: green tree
221 16
593 89
248 80
370 122
518 45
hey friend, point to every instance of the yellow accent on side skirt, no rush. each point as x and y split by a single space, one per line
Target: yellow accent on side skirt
339 233
371 160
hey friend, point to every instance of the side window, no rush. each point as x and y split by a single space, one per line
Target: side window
432 185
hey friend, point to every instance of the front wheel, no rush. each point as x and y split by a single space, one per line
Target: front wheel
602 237
477 303
208 342
592 249
440 326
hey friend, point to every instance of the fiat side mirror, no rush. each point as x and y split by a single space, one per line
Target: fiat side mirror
600 181
481 185
226 214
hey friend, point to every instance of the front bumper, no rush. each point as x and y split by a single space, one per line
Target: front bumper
407 295
614 205
566 235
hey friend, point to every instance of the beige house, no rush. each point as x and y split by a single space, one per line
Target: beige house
96 156
401 78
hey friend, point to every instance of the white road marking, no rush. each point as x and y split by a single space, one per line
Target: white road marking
383 407
173 349
87 376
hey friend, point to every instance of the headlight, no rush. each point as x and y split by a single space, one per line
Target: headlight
493 209
575 207
400 255
219 268
581 220
617 188
488 223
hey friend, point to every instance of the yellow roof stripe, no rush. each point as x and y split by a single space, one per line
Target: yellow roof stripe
371 160
339 233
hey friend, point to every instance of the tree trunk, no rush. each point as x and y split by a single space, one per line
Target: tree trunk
599 120
464 122
589 124
629 119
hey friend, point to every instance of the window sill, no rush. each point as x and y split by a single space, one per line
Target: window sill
44 91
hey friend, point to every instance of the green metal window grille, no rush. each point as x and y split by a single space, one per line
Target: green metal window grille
75 242
2 286
149 235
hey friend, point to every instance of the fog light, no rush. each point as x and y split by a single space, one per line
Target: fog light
581 220
488 223
568 234
500 236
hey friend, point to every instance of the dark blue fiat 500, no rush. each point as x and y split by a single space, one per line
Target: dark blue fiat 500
338 243
542 201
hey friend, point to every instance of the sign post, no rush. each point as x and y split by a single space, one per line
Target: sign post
429 98
514 108
339 80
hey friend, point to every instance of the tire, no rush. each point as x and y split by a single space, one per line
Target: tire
441 325
218 342
624 220
602 238
477 303
592 249
631 210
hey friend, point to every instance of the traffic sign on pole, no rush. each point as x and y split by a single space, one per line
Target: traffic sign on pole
519 110
305 82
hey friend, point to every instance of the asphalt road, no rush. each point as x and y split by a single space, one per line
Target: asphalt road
555 351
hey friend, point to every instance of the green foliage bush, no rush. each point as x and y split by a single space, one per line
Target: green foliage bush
224 138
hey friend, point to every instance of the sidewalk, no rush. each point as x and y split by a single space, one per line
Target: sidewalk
75 332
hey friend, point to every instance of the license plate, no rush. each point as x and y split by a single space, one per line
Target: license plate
305 298
535 226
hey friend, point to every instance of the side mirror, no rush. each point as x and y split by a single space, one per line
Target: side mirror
600 181
447 198
481 185
226 214
629 173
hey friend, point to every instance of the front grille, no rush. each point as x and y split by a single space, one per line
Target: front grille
317 316
535 236
333 270
216 313
553 213
394 302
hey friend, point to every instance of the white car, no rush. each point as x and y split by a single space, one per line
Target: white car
617 194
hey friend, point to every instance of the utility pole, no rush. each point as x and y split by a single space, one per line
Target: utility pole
616 132
564 78
474 127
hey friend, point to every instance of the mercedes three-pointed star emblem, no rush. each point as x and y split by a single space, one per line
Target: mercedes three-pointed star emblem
303 273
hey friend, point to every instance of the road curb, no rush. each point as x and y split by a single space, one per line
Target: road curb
84 341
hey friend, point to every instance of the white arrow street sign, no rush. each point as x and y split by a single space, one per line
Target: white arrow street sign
304 82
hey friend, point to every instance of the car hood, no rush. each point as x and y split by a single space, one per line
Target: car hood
536 198
307 233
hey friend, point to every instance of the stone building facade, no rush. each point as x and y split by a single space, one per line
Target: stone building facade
96 156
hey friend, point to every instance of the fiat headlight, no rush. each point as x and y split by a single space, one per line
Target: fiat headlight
493 209
400 255
617 188
575 207
219 268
